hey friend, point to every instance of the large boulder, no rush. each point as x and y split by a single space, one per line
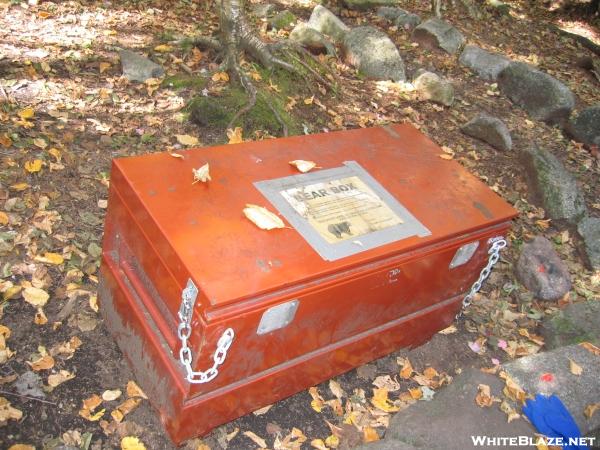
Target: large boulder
139 68
553 186
577 322
400 17
432 87
489 129
328 23
436 33
311 38
485 64
541 95
585 127
589 230
363 5
374 54
541 270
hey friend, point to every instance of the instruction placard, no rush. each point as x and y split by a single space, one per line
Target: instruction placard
340 209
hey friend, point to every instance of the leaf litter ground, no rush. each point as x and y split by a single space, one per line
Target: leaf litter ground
66 112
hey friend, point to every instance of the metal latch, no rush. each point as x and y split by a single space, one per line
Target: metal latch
188 301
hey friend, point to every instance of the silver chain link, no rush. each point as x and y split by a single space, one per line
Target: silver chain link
184 330
498 243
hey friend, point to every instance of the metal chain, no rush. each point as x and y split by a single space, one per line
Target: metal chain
184 330
498 243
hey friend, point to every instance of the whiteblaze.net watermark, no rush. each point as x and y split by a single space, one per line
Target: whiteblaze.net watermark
519 441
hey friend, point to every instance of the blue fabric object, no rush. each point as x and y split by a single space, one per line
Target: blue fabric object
552 419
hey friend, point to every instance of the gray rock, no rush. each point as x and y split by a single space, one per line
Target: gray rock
541 270
586 127
328 23
485 64
575 391
436 33
432 87
282 20
139 68
589 230
577 322
263 10
489 129
374 54
541 95
400 17
311 38
553 186
30 384
452 417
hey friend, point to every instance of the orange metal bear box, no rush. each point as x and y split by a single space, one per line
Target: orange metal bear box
219 317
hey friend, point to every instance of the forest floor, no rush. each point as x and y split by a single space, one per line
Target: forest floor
66 111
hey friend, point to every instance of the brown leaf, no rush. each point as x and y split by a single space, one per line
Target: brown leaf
484 397
407 370
336 389
125 408
235 135
370 434
7 412
317 401
133 390
89 405
59 378
591 409
591 348
43 363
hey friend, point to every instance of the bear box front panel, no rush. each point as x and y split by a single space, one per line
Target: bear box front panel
381 241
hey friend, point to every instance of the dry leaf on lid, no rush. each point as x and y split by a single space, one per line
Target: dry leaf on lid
202 174
303 166
262 217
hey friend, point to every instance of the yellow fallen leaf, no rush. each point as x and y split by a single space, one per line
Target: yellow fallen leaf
575 368
21 447
132 443
3 218
407 369
380 400
446 156
591 409
43 363
26 113
370 434
186 139
256 439
57 379
317 401
50 258
220 76
93 302
133 390
104 66
33 166
332 441
125 408
201 174
163 48
309 101
175 155
262 217
255 75
19 187
303 166
35 296
416 393
110 395
11 292
235 136
318 444
55 153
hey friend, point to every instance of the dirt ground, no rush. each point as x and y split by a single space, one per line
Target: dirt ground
65 112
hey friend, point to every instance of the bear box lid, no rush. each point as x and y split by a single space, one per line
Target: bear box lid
376 193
